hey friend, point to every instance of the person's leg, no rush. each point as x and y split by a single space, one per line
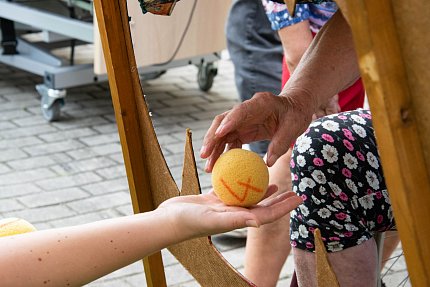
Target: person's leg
268 247
266 252
354 267
338 174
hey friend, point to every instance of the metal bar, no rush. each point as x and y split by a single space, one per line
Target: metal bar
379 239
180 63
47 21
73 76
32 59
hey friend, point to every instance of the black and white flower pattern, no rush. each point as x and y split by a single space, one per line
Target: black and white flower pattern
336 170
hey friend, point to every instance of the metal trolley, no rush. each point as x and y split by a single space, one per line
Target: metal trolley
59 24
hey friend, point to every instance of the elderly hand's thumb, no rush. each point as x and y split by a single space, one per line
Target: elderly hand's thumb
275 151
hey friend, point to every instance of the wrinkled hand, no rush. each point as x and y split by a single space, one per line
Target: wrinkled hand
205 214
331 107
265 116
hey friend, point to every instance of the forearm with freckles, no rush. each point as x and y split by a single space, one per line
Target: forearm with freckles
328 66
74 256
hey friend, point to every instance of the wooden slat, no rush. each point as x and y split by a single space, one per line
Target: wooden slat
325 274
395 121
112 19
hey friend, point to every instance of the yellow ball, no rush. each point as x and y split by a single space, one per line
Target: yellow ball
240 177
12 226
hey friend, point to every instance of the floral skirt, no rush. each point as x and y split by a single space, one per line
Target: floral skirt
335 168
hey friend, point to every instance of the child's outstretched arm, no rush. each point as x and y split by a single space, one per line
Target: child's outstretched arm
73 256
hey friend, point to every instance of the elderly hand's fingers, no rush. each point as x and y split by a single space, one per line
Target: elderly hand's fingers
224 128
319 114
216 152
255 119
234 144
332 106
232 121
210 141
279 145
250 112
314 117
334 109
295 117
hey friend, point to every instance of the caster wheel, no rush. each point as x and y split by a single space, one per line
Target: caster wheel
51 102
206 75
53 112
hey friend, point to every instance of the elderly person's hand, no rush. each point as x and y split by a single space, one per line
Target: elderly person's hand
266 116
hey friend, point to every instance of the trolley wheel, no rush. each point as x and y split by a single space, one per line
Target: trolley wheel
206 75
53 112
51 102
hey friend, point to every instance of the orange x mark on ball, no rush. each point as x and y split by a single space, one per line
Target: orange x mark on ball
247 186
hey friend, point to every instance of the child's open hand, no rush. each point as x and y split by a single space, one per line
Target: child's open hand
205 214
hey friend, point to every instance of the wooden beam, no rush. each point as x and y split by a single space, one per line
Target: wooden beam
112 18
395 122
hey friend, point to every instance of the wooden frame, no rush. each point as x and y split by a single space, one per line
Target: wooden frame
379 33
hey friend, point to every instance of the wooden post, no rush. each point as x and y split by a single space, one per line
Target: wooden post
394 110
112 18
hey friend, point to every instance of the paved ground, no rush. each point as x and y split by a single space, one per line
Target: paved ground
71 172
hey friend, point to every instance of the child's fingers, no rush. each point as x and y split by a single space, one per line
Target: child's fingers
273 212
275 199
